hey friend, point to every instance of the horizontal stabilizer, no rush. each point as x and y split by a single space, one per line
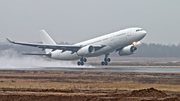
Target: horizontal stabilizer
49 55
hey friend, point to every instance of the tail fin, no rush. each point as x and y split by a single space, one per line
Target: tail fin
46 39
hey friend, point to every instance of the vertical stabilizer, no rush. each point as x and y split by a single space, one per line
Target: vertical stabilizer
46 39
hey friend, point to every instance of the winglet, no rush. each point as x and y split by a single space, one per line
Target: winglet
9 40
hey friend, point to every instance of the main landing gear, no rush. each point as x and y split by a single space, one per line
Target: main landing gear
106 60
81 62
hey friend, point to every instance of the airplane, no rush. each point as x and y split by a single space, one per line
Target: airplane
123 41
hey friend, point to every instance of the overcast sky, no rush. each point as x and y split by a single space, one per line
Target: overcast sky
78 20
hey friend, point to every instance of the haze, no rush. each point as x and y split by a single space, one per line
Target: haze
79 20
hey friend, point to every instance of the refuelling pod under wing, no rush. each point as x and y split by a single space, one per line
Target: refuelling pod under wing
128 50
86 50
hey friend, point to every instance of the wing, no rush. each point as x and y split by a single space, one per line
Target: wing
44 46
73 48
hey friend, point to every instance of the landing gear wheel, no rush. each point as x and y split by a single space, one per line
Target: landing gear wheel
108 59
102 63
78 63
106 63
82 63
85 60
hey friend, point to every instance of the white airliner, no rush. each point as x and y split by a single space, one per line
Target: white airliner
123 41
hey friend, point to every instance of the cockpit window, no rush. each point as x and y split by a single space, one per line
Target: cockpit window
139 30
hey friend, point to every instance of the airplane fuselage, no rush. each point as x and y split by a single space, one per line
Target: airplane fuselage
113 41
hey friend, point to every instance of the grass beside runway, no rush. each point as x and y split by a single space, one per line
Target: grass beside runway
88 80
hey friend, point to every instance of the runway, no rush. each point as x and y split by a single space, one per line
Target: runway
163 69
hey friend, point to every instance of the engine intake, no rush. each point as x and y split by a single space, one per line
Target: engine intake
133 49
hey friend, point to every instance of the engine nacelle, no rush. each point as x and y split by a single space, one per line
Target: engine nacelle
127 50
85 50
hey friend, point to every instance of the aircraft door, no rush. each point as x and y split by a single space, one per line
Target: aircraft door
112 37
129 32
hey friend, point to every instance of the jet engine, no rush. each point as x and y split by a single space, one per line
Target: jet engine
128 50
85 50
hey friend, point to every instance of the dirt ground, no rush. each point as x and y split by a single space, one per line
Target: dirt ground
150 94
46 85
